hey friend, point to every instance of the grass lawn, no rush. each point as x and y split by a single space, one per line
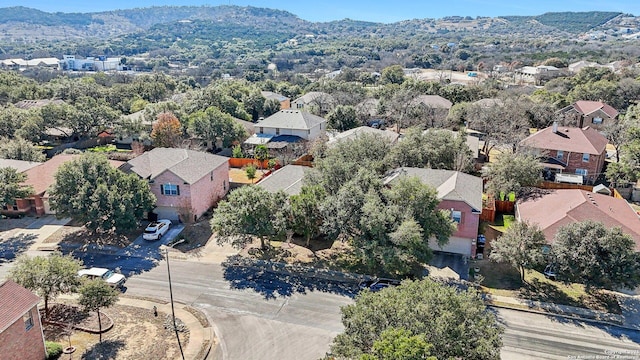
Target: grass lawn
503 222
502 279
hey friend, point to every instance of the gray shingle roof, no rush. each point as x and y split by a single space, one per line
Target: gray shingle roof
287 179
272 95
352 134
451 185
189 165
292 119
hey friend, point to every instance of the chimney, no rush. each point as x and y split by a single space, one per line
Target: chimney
555 127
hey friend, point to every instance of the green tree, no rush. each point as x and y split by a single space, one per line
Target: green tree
592 254
305 211
250 170
510 172
392 75
520 246
167 131
11 187
88 189
400 344
47 276
270 107
342 118
95 295
249 212
261 153
213 125
20 149
440 315
237 152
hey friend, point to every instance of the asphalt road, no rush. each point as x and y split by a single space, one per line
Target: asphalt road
266 316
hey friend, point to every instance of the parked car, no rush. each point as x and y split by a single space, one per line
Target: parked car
378 284
550 272
156 229
112 278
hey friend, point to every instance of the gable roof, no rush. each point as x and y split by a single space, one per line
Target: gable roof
287 179
451 185
28 104
16 301
354 133
189 165
19 165
585 107
272 95
555 208
586 140
435 101
312 96
292 119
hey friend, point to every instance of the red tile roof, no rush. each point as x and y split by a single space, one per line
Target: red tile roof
15 301
552 209
587 107
570 139
42 176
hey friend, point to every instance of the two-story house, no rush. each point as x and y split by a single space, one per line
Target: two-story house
293 122
316 101
21 335
573 150
186 183
595 114
459 193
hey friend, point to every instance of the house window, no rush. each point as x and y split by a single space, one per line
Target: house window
261 130
170 189
560 155
28 320
299 106
597 120
456 216
211 178
224 185
585 157
277 131
582 172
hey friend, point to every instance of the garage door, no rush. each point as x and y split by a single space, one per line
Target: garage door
165 212
456 245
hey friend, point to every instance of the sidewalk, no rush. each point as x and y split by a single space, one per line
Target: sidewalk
629 319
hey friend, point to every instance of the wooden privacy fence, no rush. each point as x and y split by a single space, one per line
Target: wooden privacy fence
242 162
554 185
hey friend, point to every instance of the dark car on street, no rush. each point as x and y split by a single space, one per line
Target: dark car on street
378 284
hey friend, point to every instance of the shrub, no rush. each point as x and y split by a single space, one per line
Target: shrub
54 349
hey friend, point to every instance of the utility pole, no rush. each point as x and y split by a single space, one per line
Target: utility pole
173 312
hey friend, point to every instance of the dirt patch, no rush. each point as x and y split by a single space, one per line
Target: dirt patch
194 236
77 234
136 335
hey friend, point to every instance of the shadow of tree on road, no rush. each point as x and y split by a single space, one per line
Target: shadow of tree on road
12 247
273 280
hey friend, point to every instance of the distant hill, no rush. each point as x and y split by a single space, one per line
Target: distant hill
573 22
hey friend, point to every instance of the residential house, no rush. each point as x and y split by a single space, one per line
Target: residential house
285 102
124 139
186 183
19 165
352 134
538 74
473 141
322 102
288 179
40 178
552 209
21 336
30 104
573 150
576 67
459 193
595 114
436 108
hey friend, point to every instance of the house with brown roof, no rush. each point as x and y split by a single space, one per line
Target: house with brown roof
21 336
40 178
552 209
573 150
459 193
186 183
595 114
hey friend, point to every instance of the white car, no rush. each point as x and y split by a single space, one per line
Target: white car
114 279
156 229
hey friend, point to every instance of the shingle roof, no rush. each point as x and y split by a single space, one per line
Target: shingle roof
313 95
436 101
587 107
28 104
552 209
292 119
586 140
19 165
189 165
451 185
15 301
43 175
272 95
287 179
351 134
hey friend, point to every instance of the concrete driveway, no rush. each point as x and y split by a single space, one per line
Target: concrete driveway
140 256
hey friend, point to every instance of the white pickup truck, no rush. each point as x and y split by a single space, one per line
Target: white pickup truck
114 279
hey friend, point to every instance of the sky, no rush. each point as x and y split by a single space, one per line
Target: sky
386 11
